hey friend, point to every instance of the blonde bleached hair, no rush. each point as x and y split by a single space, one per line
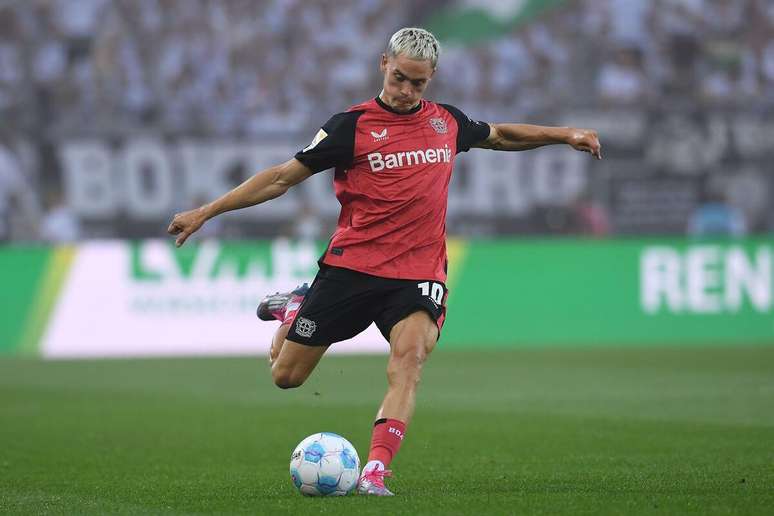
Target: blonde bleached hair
415 43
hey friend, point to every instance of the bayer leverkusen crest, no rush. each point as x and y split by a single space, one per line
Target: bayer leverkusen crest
439 124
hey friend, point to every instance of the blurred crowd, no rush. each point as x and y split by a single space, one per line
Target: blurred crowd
190 66
247 68
621 52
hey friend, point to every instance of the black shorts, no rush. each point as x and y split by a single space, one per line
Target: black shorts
342 303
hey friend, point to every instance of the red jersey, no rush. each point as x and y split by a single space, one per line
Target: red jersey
392 180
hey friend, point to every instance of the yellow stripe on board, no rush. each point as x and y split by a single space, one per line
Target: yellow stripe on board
457 251
48 293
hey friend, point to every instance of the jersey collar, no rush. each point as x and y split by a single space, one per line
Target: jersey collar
383 105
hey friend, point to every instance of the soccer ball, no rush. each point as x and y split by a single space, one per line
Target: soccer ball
324 464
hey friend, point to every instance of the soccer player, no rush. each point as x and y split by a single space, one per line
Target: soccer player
386 262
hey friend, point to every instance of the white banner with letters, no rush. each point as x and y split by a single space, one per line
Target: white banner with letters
147 298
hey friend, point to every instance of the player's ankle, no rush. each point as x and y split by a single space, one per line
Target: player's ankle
374 465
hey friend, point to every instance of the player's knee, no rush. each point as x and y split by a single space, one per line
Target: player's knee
414 353
286 378
287 382
406 364
412 357
417 356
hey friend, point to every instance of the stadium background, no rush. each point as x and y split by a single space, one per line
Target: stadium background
652 266
118 114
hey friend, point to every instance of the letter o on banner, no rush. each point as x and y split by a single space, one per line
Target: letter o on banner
149 180
558 177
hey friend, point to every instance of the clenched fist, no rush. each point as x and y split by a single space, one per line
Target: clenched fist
585 140
185 224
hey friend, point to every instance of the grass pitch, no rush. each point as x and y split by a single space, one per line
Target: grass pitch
604 431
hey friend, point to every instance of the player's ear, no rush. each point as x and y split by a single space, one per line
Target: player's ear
383 63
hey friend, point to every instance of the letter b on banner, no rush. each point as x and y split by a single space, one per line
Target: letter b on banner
99 182
88 178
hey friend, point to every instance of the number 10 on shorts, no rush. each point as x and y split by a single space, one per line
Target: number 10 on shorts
433 290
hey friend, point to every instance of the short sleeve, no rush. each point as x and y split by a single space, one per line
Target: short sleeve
334 144
469 132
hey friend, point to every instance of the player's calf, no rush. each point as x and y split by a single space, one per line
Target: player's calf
277 341
283 307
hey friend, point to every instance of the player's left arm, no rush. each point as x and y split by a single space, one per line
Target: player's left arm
519 137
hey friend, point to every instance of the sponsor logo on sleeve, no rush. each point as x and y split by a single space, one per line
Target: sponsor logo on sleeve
320 136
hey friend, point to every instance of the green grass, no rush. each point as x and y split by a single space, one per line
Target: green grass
604 431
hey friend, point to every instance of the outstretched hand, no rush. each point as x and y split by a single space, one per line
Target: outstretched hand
185 224
585 140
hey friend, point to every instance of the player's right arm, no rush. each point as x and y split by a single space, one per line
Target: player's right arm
333 146
263 186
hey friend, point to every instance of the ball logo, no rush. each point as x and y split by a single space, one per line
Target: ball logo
305 327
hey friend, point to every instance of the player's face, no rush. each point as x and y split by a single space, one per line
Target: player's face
405 80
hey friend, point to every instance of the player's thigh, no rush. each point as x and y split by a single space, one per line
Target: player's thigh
339 305
414 311
414 336
296 361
